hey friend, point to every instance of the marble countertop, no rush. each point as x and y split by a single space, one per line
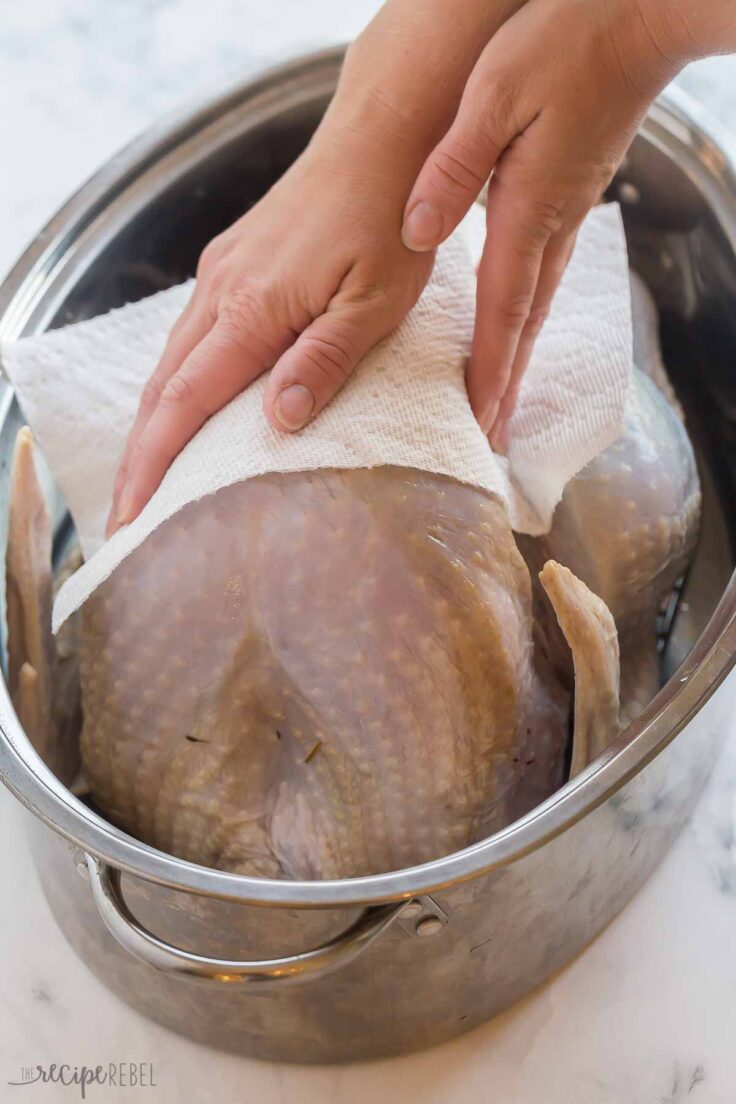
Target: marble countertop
647 1015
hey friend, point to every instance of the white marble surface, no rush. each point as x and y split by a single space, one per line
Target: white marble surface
647 1015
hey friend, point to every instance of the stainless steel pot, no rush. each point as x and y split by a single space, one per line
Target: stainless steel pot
329 971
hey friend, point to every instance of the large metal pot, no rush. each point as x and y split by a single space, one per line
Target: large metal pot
372 966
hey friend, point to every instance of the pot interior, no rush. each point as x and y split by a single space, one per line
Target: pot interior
675 242
169 211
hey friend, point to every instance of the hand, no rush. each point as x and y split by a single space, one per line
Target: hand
305 283
316 272
549 109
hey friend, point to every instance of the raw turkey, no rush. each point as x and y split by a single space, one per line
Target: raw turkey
334 673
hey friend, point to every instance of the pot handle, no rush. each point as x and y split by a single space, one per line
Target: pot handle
143 945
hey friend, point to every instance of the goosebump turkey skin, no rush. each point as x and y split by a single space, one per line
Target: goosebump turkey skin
627 525
330 674
318 675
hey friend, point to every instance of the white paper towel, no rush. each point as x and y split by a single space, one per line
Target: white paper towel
406 404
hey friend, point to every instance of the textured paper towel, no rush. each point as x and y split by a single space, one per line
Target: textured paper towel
406 404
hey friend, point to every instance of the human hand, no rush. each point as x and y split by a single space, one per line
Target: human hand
305 283
315 273
550 109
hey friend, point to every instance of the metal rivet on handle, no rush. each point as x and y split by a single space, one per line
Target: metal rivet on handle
430 925
422 916
629 193
414 908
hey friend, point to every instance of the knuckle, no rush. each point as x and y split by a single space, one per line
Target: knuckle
548 215
535 320
122 474
333 357
492 95
602 176
150 395
243 306
148 456
514 311
210 257
248 321
456 171
540 220
490 134
180 394
369 292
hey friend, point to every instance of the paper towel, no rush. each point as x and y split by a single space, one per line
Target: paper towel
405 405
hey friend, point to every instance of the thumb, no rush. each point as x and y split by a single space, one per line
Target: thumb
317 365
453 175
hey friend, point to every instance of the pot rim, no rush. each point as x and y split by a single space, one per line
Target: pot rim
707 154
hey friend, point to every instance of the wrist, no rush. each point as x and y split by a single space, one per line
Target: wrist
404 76
361 135
377 106
680 31
386 130
705 29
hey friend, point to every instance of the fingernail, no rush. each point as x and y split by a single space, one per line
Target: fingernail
499 436
422 227
294 406
489 416
125 510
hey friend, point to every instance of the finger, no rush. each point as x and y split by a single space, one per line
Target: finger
314 369
519 230
488 119
223 364
186 334
554 263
